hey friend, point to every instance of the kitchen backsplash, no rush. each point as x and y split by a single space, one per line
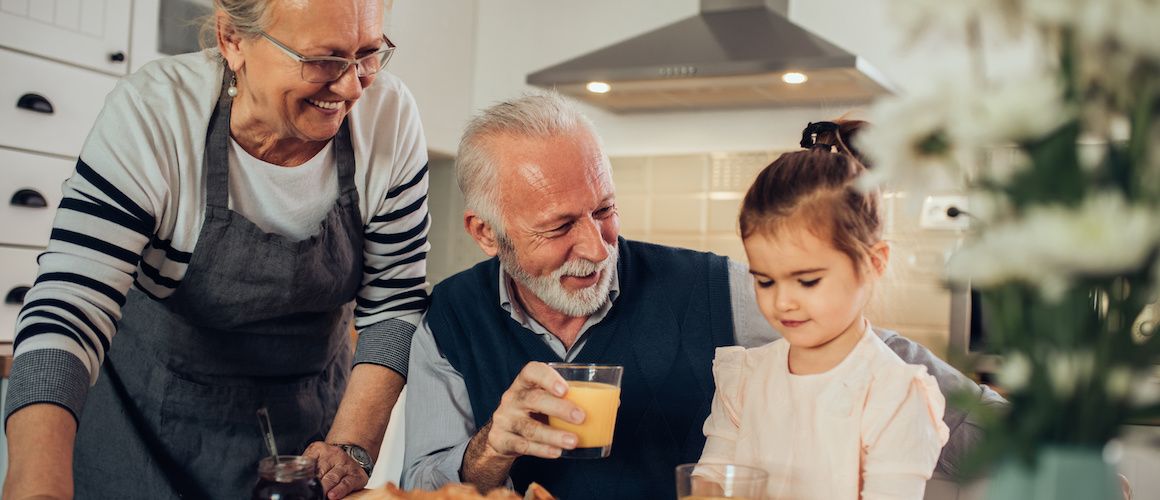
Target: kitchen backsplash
693 200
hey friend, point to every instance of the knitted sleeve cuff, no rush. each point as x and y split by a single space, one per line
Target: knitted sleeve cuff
386 343
50 376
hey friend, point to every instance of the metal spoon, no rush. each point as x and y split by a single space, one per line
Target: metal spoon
268 432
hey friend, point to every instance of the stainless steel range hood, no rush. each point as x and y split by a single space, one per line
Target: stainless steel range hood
734 54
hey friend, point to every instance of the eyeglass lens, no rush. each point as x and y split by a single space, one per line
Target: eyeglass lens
329 71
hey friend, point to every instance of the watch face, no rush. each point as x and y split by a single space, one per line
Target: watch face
360 455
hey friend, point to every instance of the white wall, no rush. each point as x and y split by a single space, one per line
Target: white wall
436 53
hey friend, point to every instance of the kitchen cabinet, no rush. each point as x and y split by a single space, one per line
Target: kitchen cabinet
93 34
48 107
17 273
31 194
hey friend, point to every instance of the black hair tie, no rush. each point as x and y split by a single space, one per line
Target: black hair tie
810 134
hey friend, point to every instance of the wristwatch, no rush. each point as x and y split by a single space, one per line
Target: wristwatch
359 455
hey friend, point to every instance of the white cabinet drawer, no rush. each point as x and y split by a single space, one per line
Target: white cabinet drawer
74 95
89 33
29 196
17 272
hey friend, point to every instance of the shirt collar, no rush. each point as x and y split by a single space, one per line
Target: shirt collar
520 316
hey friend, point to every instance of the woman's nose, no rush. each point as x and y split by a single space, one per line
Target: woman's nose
348 85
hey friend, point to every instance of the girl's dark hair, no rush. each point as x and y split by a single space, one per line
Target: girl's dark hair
814 189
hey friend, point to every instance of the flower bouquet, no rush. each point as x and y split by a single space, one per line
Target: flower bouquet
1062 167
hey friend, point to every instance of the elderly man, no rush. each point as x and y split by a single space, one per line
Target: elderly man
564 286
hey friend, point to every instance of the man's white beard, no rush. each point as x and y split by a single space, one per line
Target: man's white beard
550 289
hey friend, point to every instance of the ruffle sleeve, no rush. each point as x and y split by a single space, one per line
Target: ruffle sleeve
903 432
721 428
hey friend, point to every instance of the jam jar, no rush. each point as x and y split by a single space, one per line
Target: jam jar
291 477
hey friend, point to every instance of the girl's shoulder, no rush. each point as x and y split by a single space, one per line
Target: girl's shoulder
895 384
733 365
741 357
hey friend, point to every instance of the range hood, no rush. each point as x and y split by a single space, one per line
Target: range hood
733 54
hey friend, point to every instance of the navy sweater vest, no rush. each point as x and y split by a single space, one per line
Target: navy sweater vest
673 310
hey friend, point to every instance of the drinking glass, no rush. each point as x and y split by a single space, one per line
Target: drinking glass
718 481
291 477
596 390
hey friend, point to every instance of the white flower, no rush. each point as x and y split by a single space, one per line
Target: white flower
1050 245
1068 370
911 140
1016 372
1016 111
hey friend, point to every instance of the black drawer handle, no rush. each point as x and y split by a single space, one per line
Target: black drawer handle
117 56
29 198
35 102
16 295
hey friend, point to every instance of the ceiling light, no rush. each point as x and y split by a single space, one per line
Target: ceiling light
794 78
598 87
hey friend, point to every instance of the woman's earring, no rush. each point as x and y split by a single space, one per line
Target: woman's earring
232 90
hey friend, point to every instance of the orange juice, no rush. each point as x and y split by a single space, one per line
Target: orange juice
599 402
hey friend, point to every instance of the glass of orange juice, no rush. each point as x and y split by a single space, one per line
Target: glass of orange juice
720 481
596 390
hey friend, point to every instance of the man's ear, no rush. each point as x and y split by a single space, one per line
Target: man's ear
481 232
229 42
879 257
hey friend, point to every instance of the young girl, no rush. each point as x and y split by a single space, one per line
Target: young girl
829 411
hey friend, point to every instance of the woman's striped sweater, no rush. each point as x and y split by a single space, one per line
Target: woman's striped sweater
132 211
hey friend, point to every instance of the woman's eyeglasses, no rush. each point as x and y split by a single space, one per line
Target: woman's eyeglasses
326 69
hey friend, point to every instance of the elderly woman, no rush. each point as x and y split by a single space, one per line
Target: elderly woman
229 211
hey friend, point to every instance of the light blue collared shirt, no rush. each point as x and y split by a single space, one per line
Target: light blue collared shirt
525 320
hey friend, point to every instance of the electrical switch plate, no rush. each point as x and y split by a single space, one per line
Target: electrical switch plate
934 213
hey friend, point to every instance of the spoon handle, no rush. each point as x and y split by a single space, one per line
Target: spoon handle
268 432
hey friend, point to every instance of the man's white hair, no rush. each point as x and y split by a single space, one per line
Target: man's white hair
536 115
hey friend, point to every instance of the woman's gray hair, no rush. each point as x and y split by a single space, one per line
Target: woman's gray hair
535 115
247 17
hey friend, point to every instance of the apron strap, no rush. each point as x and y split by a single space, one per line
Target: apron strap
217 148
344 153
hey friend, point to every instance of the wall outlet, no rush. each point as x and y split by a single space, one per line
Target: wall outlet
934 213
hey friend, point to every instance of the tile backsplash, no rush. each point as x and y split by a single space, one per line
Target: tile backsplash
693 200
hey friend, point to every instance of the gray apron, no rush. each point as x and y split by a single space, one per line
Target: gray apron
257 320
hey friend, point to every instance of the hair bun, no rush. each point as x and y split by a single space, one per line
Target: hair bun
837 135
814 133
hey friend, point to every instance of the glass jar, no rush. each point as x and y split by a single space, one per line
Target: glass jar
292 477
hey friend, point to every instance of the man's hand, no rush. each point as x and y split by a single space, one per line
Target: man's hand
518 427
340 474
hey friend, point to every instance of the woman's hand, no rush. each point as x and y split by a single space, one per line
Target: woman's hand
339 473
